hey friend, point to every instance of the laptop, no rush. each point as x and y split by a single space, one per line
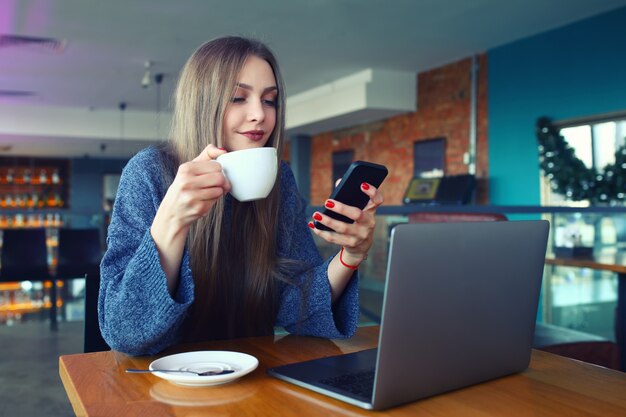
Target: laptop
459 308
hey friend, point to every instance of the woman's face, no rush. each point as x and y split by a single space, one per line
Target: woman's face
250 117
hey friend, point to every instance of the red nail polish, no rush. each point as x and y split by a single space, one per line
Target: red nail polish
365 186
311 225
222 149
329 204
317 216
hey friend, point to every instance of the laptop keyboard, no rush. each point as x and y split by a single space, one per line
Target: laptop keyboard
359 383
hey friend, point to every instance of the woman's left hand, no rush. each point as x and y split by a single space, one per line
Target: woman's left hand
356 238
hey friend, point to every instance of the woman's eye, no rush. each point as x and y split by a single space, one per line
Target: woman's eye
270 103
238 99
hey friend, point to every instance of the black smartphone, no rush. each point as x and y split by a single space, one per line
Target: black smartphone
349 189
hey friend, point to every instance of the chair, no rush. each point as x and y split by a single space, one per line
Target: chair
79 253
79 256
24 255
93 338
441 217
456 189
577 345
25 258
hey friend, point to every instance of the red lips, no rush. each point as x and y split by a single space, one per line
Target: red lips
254 134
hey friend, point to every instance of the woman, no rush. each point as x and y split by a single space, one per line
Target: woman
185 261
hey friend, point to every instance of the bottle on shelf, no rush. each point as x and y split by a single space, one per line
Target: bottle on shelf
55 177
33 199
27 176
32 184
19 220
43 177
50 202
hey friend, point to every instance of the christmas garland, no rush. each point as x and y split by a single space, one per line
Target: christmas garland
570 177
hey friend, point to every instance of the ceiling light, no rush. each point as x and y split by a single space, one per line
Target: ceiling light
145 81
55 45
16 93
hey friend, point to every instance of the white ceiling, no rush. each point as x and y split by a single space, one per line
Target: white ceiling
316 41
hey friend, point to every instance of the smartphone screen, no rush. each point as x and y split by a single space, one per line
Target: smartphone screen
349 189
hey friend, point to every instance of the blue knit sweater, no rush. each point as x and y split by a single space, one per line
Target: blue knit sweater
136 312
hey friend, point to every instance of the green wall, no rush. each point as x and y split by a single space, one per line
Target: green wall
577 70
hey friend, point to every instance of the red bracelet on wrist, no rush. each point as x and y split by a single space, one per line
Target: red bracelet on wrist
353 267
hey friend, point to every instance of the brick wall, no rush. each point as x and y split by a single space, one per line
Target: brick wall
443 110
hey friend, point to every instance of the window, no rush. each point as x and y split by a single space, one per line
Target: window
429 158
341 162
594 141
583 299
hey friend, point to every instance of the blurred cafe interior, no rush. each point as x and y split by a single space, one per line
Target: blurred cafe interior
478 109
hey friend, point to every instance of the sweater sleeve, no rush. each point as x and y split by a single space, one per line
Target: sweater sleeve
305 301
136 313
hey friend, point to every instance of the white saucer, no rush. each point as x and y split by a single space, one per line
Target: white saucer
202 361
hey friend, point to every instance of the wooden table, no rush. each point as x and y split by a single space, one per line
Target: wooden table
612 261
97 385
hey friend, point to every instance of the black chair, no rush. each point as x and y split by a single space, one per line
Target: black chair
25 258
79 256
24 255
577 345
443 217
456 189
93 338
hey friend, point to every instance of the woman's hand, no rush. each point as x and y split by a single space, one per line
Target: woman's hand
196 188
356 238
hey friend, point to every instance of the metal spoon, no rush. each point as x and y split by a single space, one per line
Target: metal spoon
206 373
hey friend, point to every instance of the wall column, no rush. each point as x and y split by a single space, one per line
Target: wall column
300 160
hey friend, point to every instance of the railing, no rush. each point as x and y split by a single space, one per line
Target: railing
581 299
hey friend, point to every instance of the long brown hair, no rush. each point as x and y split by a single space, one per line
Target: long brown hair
233 257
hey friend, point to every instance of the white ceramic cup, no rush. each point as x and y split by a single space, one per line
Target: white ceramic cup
251 172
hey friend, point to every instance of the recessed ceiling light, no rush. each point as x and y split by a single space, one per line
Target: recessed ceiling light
53 44
16 93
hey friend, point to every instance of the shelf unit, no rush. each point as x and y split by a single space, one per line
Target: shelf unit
34 193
